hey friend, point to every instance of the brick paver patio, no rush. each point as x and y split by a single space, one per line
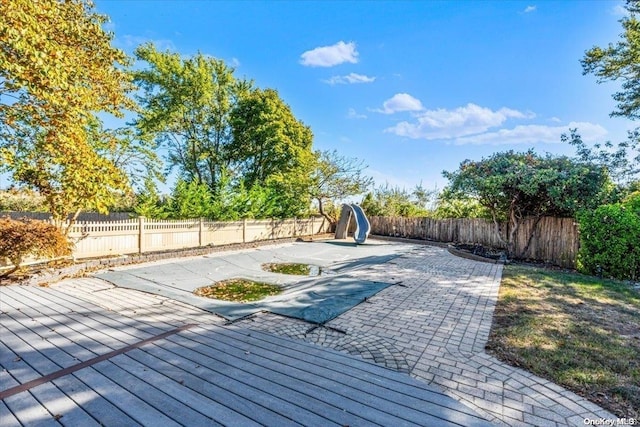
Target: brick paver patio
434 323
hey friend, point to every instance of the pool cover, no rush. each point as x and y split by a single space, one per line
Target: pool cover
345 281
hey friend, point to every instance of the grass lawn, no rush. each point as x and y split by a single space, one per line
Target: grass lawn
238 290
578 331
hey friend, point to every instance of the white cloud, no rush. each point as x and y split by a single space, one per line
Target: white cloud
400 102
235 62
618 10
350 79
328 56
555 120
535 134
353 114
530 9
447 124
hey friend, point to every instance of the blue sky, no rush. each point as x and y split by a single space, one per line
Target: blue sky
410 87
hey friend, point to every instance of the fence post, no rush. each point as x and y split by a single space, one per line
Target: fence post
295 226
273 229
200 227
140 234
244 230
313 226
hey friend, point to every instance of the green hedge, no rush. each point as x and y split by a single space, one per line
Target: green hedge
610 240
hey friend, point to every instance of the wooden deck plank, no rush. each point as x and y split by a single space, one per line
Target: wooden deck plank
29 411
93 403
301 406
55 358
412 394
54 401
174 411
57 330
266 408
369 371
125 330
435 397
7 418
122 398
186 313
239 409
170 380
374 403
32 362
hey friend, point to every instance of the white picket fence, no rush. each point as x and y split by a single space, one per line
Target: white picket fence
96 239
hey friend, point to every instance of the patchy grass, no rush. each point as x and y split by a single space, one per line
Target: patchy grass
238 290
578 331
292 268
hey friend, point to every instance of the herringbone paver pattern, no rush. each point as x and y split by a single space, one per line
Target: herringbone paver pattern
434 323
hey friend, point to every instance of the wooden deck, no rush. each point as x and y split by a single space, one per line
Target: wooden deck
206 374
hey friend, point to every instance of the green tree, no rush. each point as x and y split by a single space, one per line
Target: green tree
267 138
513 186
149 203
335 177
271 149
57 71
186 107
386 200
619 62
455 206
190 200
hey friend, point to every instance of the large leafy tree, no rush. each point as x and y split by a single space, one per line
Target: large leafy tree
57 71
272 149
186 105
336 177
514 186
267 137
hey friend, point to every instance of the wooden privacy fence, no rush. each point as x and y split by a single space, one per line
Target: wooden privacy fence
95 239
554 240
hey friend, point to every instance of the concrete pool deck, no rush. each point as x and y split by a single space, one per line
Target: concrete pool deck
411 354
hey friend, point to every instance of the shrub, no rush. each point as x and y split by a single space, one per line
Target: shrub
21 238
610 240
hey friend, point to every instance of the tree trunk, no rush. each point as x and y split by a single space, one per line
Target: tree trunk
496 225
530 238
332 221
514 221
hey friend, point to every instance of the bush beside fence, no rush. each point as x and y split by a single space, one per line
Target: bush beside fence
554 241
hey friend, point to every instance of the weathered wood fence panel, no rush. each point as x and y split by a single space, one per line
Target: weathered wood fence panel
95 239
554 240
